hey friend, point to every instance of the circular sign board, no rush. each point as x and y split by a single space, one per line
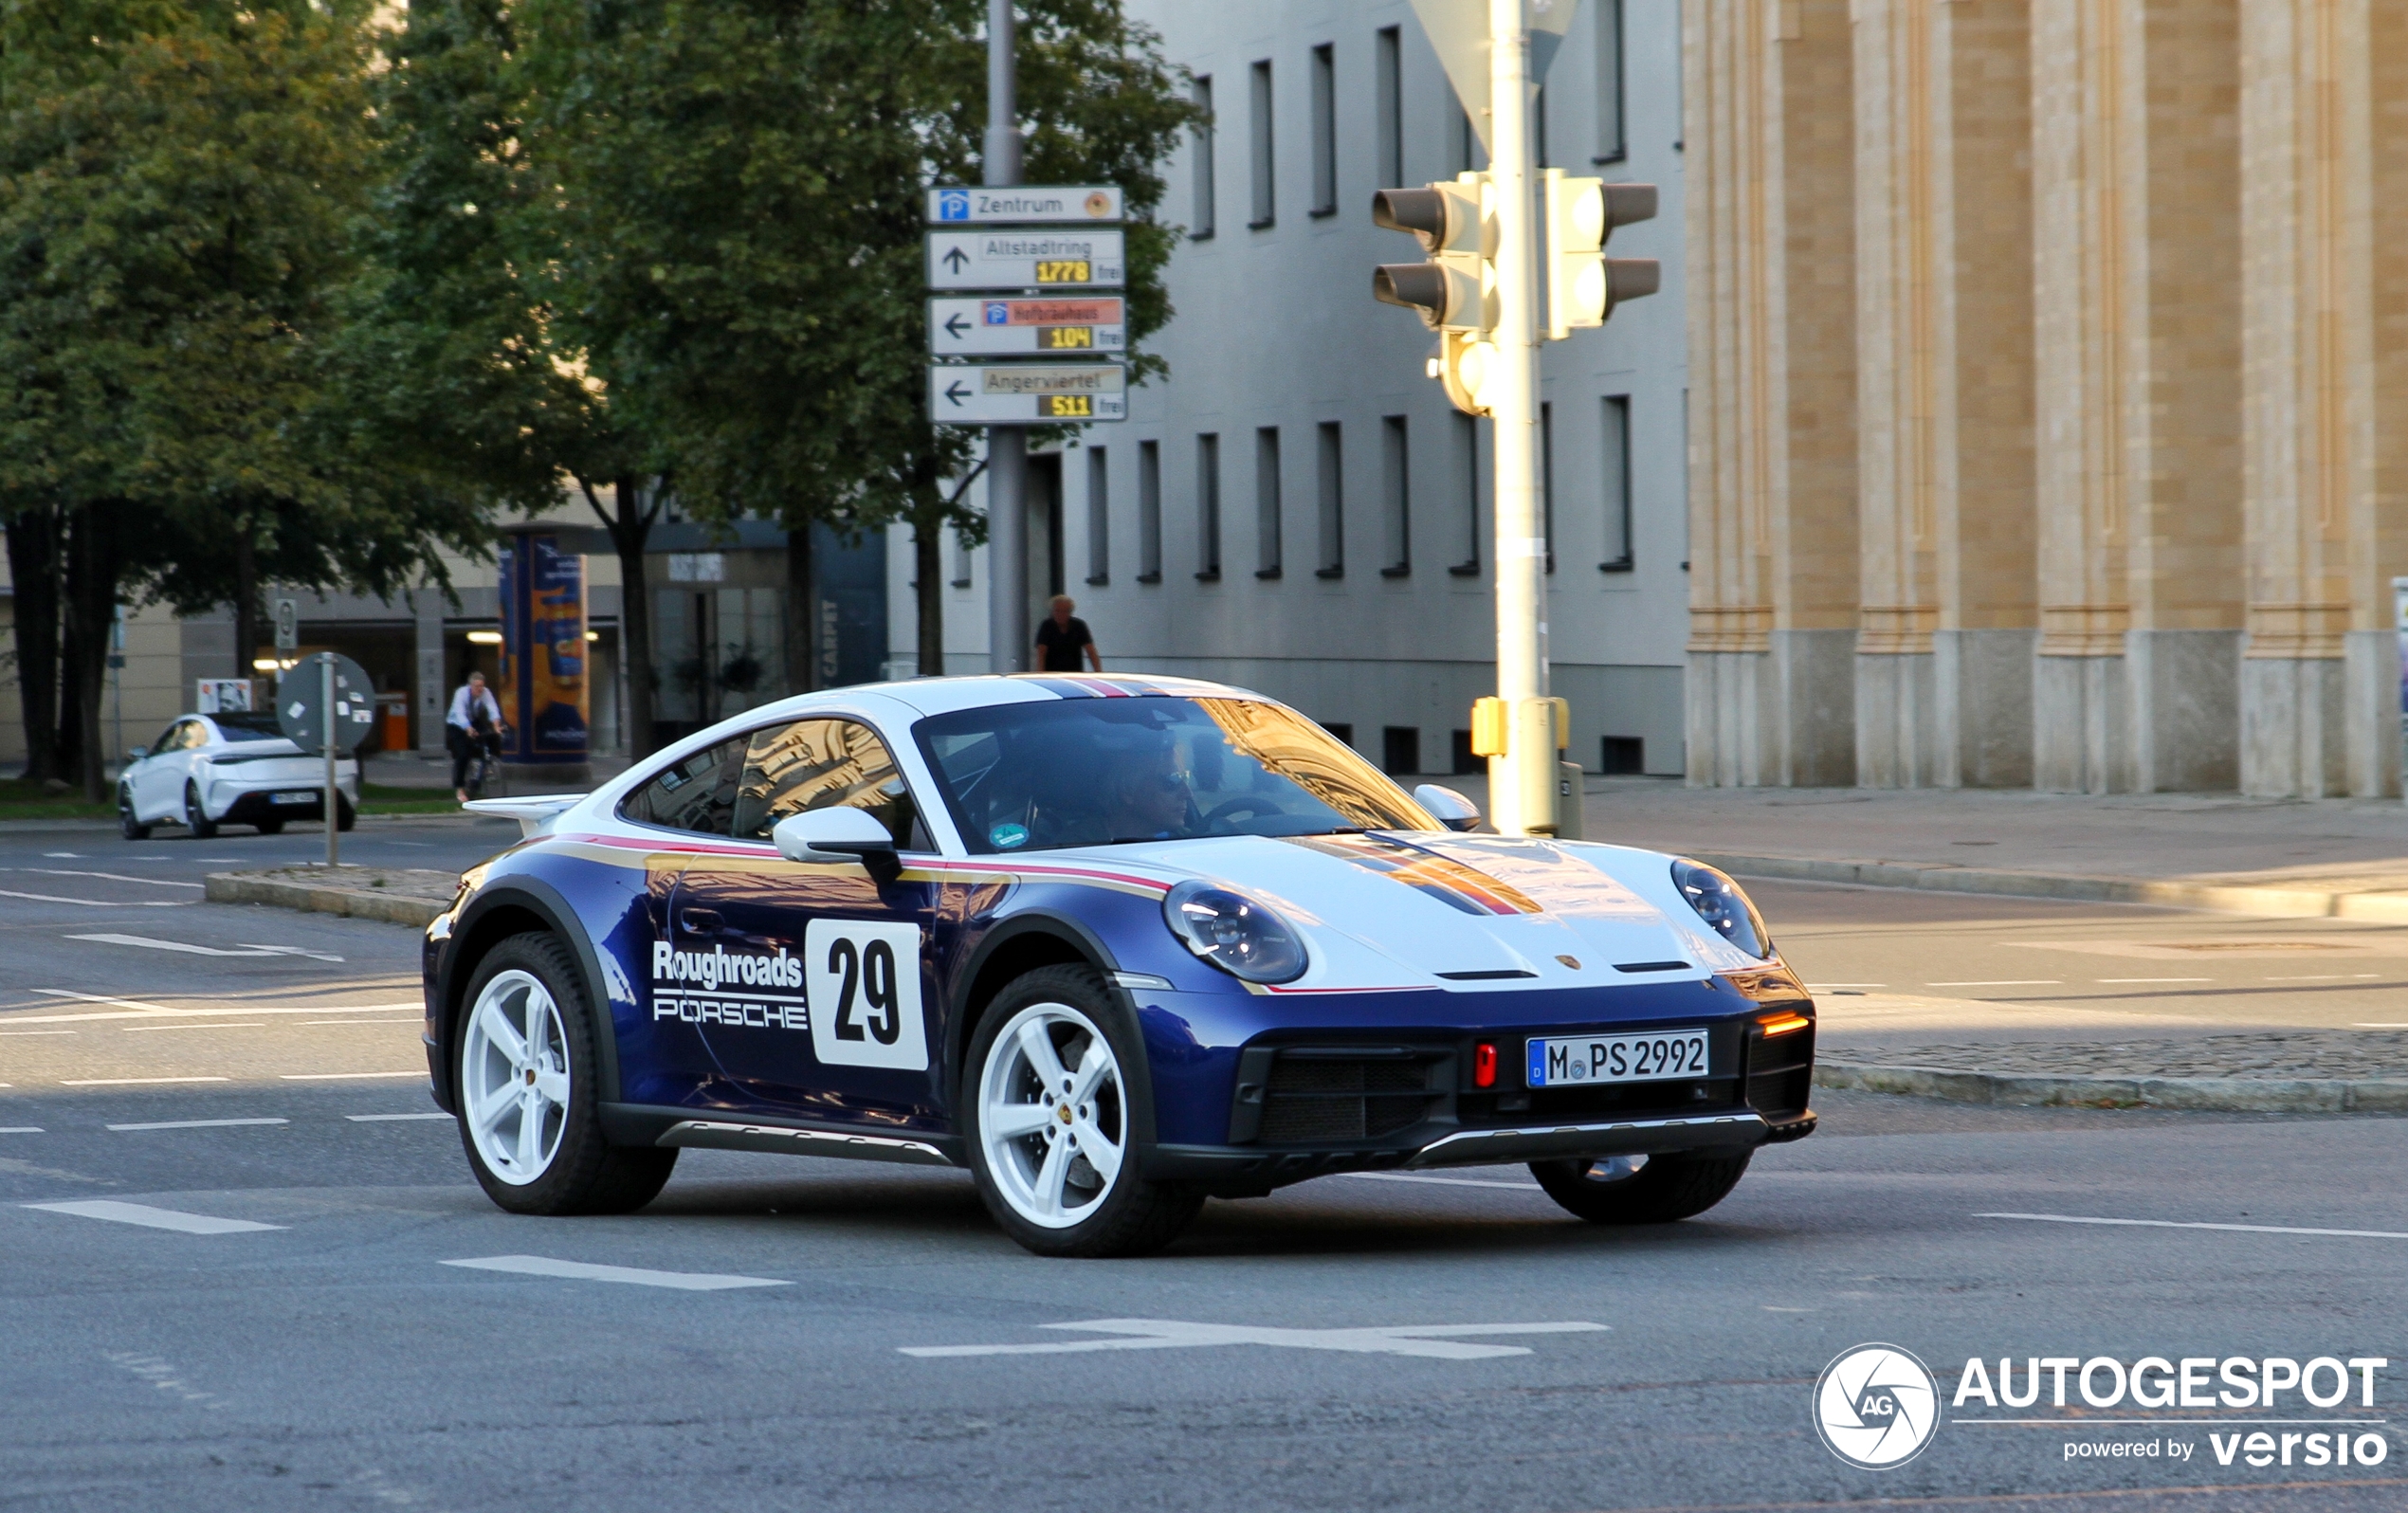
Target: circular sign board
301 698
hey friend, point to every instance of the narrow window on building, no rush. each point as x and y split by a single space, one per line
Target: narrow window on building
1400 749
1465 153
1611 147
1546 480
1622 756
1202 161
1149 512
1099 517
1342 730
1266 202
1613 473
961 560
1207 508
1685 481
1466 469
1539 127
1267 502
1396 497
1332 503
1326 130
1388 106
1461 762
1680 84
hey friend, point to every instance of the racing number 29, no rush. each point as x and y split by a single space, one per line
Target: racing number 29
863 976
870 968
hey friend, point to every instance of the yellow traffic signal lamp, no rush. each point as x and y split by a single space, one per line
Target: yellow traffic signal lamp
1583 284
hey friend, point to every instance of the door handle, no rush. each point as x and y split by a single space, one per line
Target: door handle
698 921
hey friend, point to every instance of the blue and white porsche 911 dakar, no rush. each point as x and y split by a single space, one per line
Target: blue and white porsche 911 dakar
1114 944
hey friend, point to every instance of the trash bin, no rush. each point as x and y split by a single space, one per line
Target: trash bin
392 725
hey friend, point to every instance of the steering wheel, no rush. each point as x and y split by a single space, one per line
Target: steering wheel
1239 808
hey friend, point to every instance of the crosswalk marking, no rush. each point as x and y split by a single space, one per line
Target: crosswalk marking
538 1266
201 1124
152 1218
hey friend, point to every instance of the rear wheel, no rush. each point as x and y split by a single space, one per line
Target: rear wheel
528 1106
196 816
345 816
132 828
1053 1104
1641 1188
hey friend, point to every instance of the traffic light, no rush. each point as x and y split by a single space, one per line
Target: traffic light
1455 292
1583 284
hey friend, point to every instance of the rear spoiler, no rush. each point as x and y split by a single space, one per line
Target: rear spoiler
534 814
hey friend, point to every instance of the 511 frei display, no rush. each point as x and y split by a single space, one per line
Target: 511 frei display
1031 270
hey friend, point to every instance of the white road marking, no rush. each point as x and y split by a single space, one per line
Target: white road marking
1432 1341
1773 1307
2174 1224
151 943
2391 1024
2151 979
1819 986
536 1266
69 856
114 877
420 1020
145 1030
136 1008
129 1081
20 1129
2002 982
103 903
394 1119
149 1217
1444 1181
36 1032
2319 976
343 1077
202 1123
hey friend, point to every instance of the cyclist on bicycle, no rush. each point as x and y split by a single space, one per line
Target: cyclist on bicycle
472 728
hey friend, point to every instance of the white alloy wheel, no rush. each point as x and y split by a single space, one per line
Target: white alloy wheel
514 1077
1053 1115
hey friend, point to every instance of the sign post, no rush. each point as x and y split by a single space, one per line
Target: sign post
329 707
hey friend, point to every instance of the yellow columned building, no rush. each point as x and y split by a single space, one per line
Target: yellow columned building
2049 392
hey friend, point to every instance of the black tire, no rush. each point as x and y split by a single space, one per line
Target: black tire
271 827
127 825
345 816
1135 1216
587 1174
196 818
1674 1185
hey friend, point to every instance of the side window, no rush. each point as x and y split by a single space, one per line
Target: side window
819 764
167 740
188 736
697 794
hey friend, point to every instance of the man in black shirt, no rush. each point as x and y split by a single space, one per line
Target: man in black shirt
1062 636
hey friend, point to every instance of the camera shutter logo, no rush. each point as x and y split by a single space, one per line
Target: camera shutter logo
1876 1407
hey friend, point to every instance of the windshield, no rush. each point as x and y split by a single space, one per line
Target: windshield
240 725
1094 772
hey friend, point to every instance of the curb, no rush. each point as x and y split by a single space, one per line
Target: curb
359 903
2388 908
2254 1095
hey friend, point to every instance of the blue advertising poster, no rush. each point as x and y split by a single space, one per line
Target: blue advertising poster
544 694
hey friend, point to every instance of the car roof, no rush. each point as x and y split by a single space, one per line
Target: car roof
919 697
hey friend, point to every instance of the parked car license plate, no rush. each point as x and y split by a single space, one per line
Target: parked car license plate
293 798
1662 1054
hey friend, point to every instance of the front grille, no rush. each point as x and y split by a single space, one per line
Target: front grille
1314 1095
1781 1074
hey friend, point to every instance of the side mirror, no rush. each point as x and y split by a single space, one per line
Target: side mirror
1448 807
134 754
838 834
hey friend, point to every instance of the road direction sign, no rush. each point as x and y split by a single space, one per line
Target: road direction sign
1026 260
1014 393
1024 205
1000 327
300 704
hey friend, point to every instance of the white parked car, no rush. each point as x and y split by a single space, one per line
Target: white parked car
210 769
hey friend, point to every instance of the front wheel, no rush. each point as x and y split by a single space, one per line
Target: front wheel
197 815
529 1110
1641 1188
1056 1118
127 825
345 815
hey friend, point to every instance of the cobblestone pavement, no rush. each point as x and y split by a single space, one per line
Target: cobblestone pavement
2287 1054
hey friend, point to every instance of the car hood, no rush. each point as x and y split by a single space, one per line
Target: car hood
1458 912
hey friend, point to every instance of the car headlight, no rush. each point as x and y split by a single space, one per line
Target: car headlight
1719 902
1241 936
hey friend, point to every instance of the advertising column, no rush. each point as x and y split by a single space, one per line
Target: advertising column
544 696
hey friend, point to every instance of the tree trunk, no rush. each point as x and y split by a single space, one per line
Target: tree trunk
630 528
927 556
35 568
91 603
246 599
802 611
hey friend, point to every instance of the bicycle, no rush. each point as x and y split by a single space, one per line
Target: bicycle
485 767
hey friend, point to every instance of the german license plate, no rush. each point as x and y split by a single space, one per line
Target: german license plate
292 799
1662 1053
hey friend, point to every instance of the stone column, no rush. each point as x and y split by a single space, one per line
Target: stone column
2136 171
1770 235
1943 392
2325 129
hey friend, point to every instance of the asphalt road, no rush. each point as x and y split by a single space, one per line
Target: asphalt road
291 1323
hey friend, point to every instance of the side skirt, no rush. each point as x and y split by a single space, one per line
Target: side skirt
655 1125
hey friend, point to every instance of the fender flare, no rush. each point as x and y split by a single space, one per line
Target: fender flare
545 902
1035 920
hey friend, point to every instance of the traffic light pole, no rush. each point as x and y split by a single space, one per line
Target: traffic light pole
1007 635
1521 783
